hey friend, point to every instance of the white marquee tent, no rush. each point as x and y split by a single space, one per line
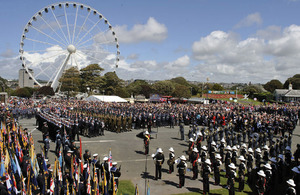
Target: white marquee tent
105 98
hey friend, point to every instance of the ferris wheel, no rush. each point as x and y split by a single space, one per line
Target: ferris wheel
64 35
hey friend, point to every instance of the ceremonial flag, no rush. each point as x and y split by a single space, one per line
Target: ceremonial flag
8 182
88 180
23 185
18 166
52 185
60 159
2 169
7 159
104 185
136 190
13 164
14 184
81 162
109 160
114 185
148 188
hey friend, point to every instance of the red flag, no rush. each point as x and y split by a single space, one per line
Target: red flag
80 155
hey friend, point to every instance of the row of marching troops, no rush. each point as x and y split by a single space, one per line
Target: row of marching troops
22 171
124 117
265 162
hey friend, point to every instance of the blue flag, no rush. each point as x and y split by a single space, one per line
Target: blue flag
18 166
2 169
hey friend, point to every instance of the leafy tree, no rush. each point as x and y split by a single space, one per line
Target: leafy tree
272 85
163 87
22 92
111 83
195 89
122 92
45 90
181 81
70 80
217 87
295 81
181 91
140 87
251 90
91 77
3 84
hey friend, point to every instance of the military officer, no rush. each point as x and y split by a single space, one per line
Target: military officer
242 172
206 170
146 142
231 179
159 159
171 160
194 161
182 170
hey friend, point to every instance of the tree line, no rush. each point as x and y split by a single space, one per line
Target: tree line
91 80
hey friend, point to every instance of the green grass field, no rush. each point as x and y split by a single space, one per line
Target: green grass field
126 187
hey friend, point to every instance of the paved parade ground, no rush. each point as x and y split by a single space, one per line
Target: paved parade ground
128 150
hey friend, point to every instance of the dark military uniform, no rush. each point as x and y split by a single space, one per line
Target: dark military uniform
181 171
206 170
159 161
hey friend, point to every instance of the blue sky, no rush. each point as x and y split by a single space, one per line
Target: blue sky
226 41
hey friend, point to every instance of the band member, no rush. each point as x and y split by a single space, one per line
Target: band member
194 161
146 142
159 159
182 170
171 160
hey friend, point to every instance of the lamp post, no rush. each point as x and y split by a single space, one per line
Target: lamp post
88 90
236 90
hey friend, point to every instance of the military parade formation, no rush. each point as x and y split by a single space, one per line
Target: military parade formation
245 144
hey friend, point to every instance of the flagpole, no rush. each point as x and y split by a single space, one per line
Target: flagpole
146 164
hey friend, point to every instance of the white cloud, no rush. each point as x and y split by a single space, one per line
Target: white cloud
133 56
256 59
251 19
152 31
8 53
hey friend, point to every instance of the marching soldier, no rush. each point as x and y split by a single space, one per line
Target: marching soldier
76 130
297 153
291 189
116 173
268 173
191 147
159 159
250 159
96 164
199 140
265 154
194 161
203 153
171 160
46 145
242 171
231 179
87 157
206 170
58 142
227 160
182 170
261 183
146 142
216 166
258 158
234 155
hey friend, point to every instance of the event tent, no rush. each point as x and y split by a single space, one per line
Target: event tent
105 98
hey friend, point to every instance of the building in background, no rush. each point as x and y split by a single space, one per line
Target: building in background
24 78
287 95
